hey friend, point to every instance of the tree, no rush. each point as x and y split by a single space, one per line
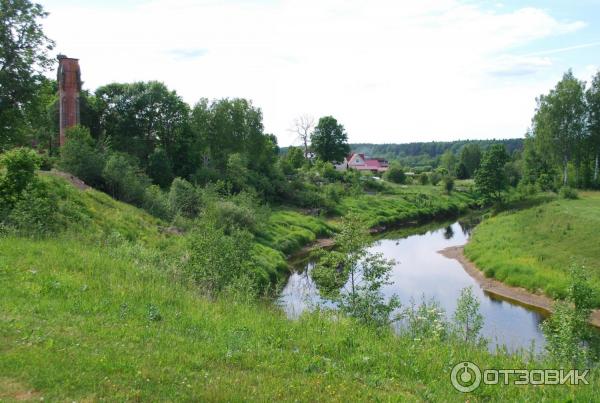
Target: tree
160 168
295 157
329 140
448 184
303 127
448 161
461 171
593 104
467 318
490 178
470 157
143 116
559 121
23 59
353 277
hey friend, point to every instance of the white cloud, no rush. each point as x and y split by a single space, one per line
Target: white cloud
390 71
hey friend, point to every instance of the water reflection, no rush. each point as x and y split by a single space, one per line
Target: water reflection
421 271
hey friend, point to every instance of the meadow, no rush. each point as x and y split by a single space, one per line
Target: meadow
535 247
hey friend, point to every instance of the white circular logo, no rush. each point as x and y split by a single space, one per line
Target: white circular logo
465 377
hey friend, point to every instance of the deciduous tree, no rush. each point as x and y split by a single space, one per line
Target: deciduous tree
329 140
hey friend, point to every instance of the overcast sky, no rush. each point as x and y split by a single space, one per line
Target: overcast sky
390 71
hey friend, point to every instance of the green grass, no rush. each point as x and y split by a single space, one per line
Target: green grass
81 322
407 204
534 247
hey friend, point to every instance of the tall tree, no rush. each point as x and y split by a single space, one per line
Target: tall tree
470 156
142 116
593 103
23 58
559 121
448 161
490 178
329 140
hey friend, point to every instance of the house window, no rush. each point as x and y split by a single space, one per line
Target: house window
357 160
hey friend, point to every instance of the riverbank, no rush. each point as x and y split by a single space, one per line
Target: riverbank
535 247
494 287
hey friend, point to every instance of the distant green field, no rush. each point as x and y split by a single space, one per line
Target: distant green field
534 248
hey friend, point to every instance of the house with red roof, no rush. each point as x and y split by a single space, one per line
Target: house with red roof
359 162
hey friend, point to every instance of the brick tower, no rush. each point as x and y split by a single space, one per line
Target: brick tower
69 85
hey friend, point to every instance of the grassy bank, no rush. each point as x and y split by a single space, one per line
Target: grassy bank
87 323
407 204
534 247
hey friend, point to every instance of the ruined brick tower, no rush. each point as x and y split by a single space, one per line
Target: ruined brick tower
69 85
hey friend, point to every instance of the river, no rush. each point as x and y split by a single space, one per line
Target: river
420 271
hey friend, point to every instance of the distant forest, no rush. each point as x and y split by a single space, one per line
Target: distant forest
427 155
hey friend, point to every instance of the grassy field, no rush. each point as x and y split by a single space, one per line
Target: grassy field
534 247
81 322
407 204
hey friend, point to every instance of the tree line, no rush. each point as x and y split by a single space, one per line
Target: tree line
563 144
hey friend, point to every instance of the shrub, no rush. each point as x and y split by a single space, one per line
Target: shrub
124 179
448 184
217 259
468 320
156 202
20 165
423 179
435 178
567 192
79 156
35 212
395 174
231 216
184 198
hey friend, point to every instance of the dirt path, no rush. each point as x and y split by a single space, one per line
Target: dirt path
497 288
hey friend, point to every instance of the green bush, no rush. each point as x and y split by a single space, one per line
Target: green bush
36 211
448 184
231 216
395 174
124 179
184 198
156 202
567 192
217 260
423 179
80 157
20 165
435 178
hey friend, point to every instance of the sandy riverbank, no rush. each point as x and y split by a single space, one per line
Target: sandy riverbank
503 291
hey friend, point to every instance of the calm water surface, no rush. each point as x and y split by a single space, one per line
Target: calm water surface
421 271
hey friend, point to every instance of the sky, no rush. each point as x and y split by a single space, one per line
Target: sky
390 71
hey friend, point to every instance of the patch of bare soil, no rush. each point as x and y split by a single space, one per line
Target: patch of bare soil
497 288
11 389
